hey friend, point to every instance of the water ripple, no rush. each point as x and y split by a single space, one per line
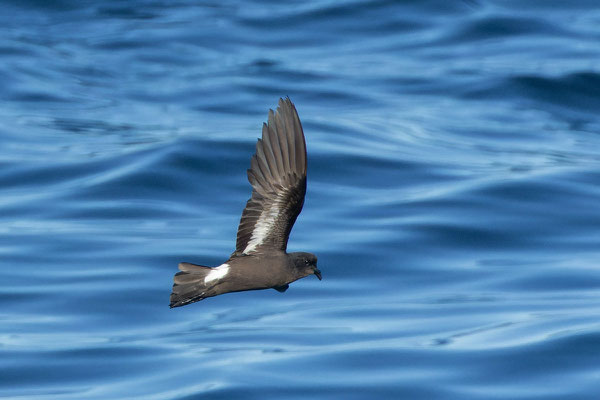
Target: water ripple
452 199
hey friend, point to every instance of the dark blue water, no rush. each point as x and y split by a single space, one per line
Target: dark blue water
453 198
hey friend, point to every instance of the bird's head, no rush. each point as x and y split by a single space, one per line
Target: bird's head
306 264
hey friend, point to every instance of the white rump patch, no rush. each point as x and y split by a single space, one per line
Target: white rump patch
262 228
217 273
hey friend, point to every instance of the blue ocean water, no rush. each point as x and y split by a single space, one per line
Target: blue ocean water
453 198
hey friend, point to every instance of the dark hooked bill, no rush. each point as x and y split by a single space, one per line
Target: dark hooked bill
318 273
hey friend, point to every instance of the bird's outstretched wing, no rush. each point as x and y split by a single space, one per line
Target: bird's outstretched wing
278 177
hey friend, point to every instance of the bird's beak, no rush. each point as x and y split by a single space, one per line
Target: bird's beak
318 273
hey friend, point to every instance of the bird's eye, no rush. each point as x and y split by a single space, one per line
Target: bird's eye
306 262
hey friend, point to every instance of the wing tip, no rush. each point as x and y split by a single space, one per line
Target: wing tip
285 103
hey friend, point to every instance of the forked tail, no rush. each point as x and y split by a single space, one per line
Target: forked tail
189 285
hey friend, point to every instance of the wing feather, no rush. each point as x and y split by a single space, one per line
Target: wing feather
283 144
275 146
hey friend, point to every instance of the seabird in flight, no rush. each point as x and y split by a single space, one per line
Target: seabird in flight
278 177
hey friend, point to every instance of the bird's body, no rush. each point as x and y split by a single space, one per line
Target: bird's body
260 260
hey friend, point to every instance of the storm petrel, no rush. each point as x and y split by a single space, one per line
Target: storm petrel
278 177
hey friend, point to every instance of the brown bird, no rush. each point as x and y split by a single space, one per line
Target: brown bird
278 177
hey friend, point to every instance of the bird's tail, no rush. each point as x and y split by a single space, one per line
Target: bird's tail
188 285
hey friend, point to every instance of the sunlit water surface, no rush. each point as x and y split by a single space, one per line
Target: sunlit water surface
453 198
